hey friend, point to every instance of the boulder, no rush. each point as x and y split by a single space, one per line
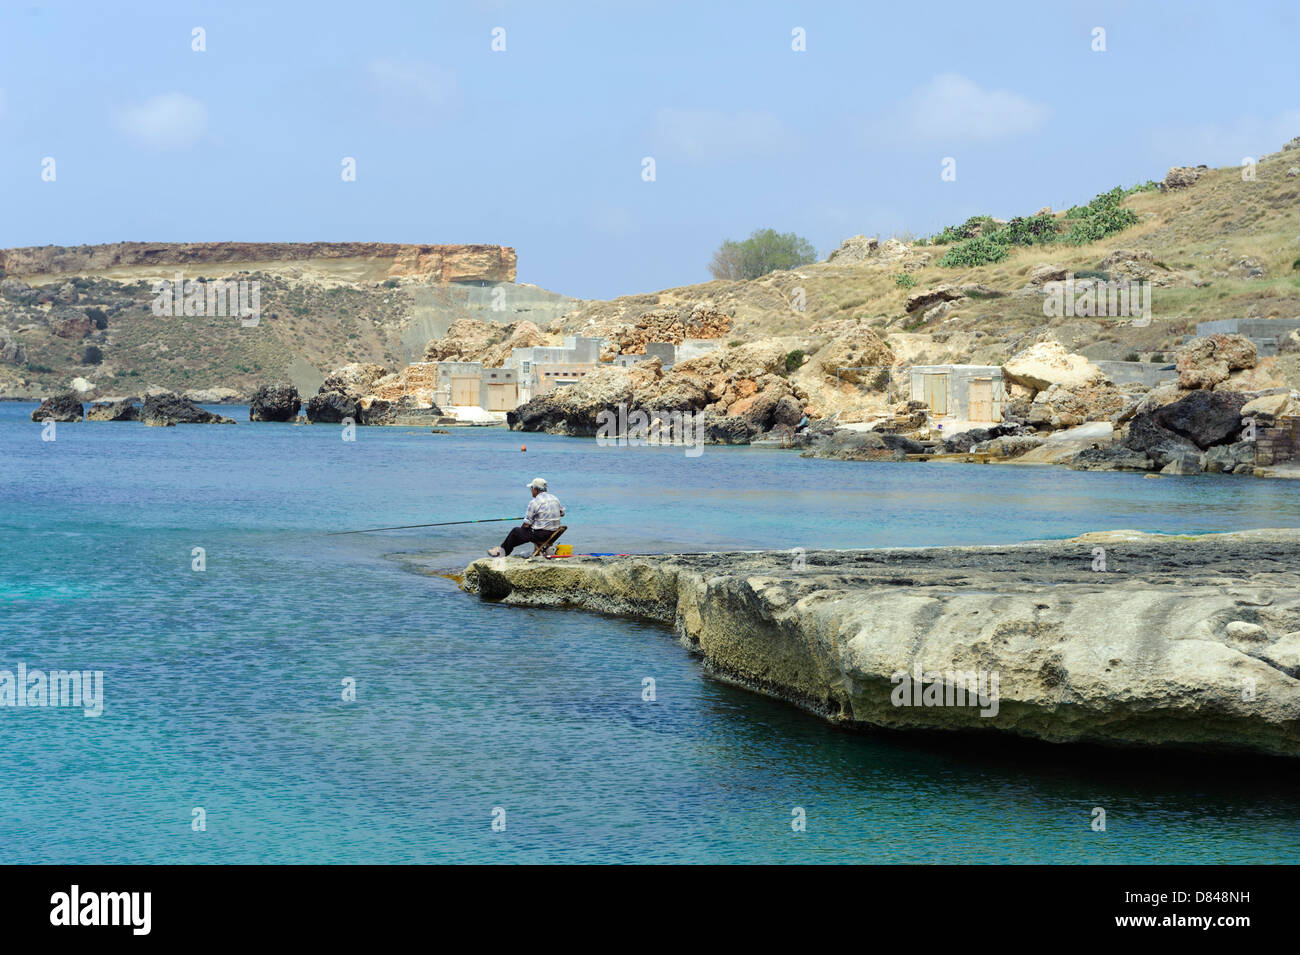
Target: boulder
898 442
1205 362
857 248
170 408
380 411
274 403
1146 436
728 429
65 406
1011 446
850 445
1180 177
332 407
1111 458
858 356
1046 272
1230 458
1047 363
1269 405
1204 417
123 409
1183 464
932 296
354 380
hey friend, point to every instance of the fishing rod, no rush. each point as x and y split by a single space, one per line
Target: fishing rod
402 527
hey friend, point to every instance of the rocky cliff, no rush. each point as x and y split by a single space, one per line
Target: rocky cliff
435 263
1186 642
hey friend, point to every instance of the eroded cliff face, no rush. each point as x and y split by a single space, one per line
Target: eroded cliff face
1177 643
435 263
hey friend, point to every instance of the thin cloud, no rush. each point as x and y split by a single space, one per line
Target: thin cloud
953 109
414 82
701 135
169 121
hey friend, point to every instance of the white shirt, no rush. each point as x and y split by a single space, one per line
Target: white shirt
544 512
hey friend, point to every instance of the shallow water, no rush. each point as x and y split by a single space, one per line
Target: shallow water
223 688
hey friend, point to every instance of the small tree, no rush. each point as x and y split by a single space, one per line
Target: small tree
766 250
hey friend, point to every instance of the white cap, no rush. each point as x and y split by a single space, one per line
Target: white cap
539 483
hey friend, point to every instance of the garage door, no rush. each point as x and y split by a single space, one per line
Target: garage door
502 397
464 391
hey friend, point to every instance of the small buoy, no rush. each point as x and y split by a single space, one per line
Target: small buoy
523 447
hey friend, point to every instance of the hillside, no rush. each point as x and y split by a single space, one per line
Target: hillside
320 305
1211 245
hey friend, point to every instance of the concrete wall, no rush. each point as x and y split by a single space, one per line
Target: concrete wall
666 352
1149 373
548 377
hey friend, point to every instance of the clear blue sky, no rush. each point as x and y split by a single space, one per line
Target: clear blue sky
541 146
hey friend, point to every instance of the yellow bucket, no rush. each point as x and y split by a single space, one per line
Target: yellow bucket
563 550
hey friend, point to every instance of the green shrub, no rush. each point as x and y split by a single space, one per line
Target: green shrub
1034 230
39 369
766 250
1132 356
967 230
1102 217
1295 266
793 360
1158 356
905 280
972 252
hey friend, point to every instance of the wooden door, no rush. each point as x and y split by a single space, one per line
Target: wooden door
936 393
464 391
502 396
981 399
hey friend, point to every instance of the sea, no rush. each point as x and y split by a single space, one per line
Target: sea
273 692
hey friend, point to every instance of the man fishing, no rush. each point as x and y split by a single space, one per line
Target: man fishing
541 522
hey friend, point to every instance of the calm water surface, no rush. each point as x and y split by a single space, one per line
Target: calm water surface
224 688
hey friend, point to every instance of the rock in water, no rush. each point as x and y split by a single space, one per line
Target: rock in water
61 407
331 407
274 403
171 408
125 409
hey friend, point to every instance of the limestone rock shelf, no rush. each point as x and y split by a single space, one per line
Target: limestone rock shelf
1189 642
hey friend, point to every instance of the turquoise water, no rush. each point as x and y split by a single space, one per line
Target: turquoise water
223 688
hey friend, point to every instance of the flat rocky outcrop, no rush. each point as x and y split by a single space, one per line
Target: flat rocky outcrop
442 263
1177 643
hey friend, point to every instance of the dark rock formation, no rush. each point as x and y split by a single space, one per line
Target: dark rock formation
65 406
274 403
403 410
331 407
1205 417
126 409
171 408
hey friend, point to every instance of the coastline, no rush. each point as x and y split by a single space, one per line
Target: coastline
1188 643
